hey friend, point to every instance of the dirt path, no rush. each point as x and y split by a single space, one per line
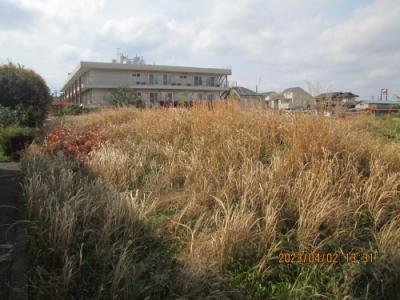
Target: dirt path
12 242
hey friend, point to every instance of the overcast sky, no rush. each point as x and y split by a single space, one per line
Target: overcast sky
336 45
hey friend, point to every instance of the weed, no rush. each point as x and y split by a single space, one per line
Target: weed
198 202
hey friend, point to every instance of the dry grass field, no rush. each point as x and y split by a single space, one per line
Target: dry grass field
205 202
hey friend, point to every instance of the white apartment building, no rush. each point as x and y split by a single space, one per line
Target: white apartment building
92 83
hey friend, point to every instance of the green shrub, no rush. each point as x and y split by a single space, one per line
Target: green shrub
26 93
125 97
70 109
3 156
14 139
66 109
7 117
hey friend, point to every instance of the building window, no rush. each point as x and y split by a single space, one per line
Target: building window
168 97
210 97
183 76
153 79
153 98
198 81
200 96
211 81
167 79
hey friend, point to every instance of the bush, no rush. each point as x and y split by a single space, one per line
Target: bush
14 139
63 108
7 117
78 144
124 97
70 109
26 93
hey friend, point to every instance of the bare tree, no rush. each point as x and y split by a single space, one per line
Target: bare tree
313 87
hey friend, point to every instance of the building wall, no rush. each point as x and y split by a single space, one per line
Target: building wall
284 104
330 101
270 100
100 97
129 78
296 100
86 97
362 106
251 99
94 87
244 98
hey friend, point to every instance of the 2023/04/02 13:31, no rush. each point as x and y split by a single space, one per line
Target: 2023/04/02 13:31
324 258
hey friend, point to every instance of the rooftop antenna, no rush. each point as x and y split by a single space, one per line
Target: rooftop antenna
121 56
384 93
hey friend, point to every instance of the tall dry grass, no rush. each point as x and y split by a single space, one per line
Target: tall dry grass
224 184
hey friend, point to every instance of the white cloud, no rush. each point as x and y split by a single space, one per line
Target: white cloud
371 31
347 45
148 31
63 9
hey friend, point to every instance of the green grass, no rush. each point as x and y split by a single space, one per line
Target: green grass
387 128
313 281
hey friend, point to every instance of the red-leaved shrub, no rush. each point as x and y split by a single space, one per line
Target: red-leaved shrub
78 143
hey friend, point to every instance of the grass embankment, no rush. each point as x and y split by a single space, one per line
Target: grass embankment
200 203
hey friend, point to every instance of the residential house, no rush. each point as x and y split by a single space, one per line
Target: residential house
243 94
294 98
378 107
330 100
271 99
93 83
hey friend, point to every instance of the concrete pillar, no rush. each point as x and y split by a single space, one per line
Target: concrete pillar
80 89
75 91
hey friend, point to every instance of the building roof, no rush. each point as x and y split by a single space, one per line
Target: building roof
382 102
271 94
334 95
242 91
294 89
84 66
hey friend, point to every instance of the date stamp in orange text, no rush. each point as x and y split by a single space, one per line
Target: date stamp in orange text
297 258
